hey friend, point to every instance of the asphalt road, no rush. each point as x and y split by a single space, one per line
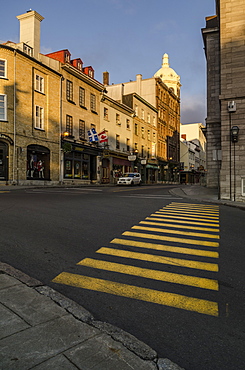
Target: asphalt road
189 306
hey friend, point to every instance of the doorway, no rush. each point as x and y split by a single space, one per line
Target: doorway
3 161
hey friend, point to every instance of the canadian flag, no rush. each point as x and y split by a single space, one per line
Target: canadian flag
103 136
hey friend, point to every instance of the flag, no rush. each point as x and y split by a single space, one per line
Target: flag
103 136
92 135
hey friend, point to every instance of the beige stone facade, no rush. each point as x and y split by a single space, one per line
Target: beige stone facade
224 36
29 132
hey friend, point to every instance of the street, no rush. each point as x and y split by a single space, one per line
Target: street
166 269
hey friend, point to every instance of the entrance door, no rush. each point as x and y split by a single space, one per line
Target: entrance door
3 162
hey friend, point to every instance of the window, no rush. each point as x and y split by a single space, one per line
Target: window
69 90
154 121
148 118
136 129
128 124
3 68
106 113
118 119
117 142
142 114
143 132
69 125
128 145
39 83
3 107
82 97
136 110
148 135
28 50
93 102
142 151
81 129
39 118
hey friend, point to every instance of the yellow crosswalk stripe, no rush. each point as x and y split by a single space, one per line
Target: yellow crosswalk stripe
166 248
175 219
193 210
171 239
179 226
186 233
149 295
186 213
159 259
151 274
188 216
194 205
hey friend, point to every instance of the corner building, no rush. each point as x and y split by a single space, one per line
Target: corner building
29 110
224 41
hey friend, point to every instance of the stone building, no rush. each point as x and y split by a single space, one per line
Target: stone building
29 110
163 93
224 41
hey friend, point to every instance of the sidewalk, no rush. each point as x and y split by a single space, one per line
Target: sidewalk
41 329
204 194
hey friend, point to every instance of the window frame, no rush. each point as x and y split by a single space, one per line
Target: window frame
93 102
82 129
5 62
4 107
69 90
39 118
69 124
82 97
39 83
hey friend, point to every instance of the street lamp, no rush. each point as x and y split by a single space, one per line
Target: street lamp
234 139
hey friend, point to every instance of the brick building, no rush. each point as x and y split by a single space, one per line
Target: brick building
224 41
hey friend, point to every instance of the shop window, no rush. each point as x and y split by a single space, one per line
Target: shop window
38 162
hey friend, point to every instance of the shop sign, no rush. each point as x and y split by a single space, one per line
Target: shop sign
132 157
143 161
6 137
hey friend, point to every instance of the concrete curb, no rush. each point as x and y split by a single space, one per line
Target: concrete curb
130 342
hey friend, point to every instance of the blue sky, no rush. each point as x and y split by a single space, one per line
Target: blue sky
125 38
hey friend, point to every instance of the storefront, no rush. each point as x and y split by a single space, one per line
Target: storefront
3 161
80 162
38 163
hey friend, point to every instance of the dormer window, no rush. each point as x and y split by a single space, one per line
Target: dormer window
67 58
79 65
28 50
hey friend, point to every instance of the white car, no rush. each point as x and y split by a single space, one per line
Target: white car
129 178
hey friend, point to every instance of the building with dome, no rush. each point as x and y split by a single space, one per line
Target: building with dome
162 91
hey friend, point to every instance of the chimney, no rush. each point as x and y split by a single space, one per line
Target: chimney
105 78
30 30
138 83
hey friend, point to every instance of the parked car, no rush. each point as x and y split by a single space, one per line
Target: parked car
129 178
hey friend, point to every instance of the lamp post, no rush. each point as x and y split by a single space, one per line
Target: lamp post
234 139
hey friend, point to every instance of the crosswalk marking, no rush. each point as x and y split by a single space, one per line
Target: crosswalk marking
193 205
166 248
171 239
179 226
144 294
191 210
185 237
188 216
159 259
151 274
187 233
176 220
